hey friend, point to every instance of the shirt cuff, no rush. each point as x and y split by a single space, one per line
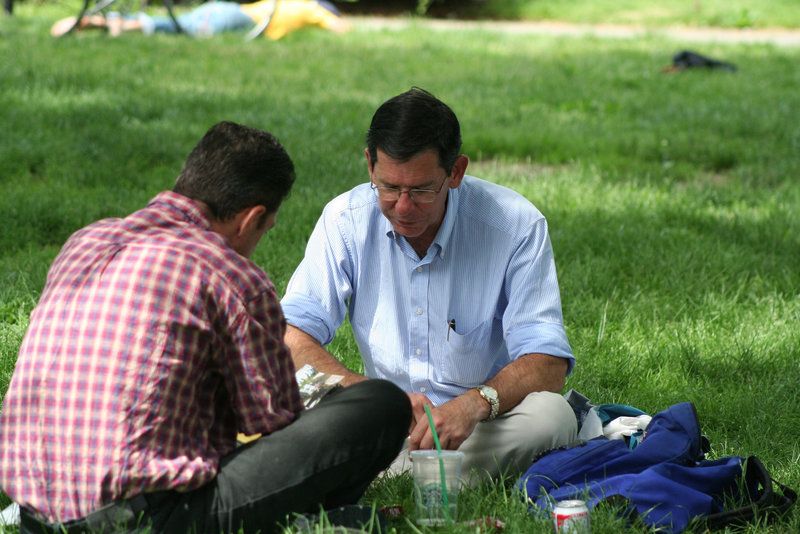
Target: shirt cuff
305 313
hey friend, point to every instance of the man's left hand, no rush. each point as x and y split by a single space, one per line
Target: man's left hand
454 421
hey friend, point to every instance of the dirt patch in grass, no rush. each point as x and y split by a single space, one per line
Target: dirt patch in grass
451 9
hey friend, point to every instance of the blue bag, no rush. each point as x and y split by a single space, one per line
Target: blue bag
665 480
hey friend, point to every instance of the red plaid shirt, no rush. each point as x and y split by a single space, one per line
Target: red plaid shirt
152 345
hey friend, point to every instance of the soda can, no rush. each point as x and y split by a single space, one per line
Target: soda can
571 517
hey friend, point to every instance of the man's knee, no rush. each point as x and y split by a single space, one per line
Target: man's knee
377 405
508 444
549 417
383 397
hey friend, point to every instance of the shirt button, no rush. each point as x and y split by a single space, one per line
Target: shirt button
419 269
418 352
419 311
422 389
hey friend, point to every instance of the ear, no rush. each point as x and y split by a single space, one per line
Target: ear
459 169
369 161
249 220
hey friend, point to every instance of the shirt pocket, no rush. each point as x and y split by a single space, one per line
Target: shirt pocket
467 358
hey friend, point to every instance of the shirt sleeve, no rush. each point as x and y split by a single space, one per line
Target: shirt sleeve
317 294
259 368
533 320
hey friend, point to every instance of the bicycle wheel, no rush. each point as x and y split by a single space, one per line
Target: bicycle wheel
263 24
66 15
168 5
72 15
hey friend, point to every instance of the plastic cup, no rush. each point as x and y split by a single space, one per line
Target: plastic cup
428 493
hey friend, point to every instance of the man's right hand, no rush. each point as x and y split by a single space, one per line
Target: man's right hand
418 403
307 350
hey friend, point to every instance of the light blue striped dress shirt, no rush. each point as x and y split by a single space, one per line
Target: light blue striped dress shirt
490 270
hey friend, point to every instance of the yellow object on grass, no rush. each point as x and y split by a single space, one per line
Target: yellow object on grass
291 15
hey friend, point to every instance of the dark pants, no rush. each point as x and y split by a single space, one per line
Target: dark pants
326 458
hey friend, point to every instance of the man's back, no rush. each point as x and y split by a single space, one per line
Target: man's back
122 371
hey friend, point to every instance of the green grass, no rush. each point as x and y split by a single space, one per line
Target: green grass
700 13
672 199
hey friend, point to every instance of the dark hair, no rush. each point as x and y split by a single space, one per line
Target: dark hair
411 123
235 167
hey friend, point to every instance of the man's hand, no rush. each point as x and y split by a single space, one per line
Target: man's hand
454 421
307 350
419 417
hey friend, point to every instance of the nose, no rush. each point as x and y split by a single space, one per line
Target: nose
404 203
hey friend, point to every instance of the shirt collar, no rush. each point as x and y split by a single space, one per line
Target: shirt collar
445 232
183 207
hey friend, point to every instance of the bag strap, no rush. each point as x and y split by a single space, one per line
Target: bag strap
768 504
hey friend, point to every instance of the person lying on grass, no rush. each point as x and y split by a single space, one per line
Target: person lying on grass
450 286
155 342
218 17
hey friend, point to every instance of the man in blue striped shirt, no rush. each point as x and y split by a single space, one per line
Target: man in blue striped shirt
450 287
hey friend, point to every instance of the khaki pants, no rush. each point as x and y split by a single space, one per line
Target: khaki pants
508 445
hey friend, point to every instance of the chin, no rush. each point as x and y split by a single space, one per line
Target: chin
412 233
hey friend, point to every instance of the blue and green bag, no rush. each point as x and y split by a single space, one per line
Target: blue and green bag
665 480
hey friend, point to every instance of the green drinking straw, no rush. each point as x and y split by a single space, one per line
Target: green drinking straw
441 465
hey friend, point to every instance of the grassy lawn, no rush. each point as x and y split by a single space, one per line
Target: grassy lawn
672 199
719 13
702 13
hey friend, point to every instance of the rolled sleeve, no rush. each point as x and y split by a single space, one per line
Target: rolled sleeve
317 294
305 312
541 338
533 318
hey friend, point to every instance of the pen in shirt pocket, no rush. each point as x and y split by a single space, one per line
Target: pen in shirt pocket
451 326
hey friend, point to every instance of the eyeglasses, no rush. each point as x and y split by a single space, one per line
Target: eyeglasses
418 196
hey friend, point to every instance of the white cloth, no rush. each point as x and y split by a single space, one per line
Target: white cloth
592 426
10 515
625 426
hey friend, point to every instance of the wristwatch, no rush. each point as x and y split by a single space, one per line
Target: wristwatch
490 395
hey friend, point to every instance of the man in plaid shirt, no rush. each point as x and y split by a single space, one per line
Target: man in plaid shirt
156 340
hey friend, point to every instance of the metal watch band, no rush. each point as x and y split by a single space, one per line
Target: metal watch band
490 395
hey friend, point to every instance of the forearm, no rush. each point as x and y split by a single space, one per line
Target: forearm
455 420
308 351
526 374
